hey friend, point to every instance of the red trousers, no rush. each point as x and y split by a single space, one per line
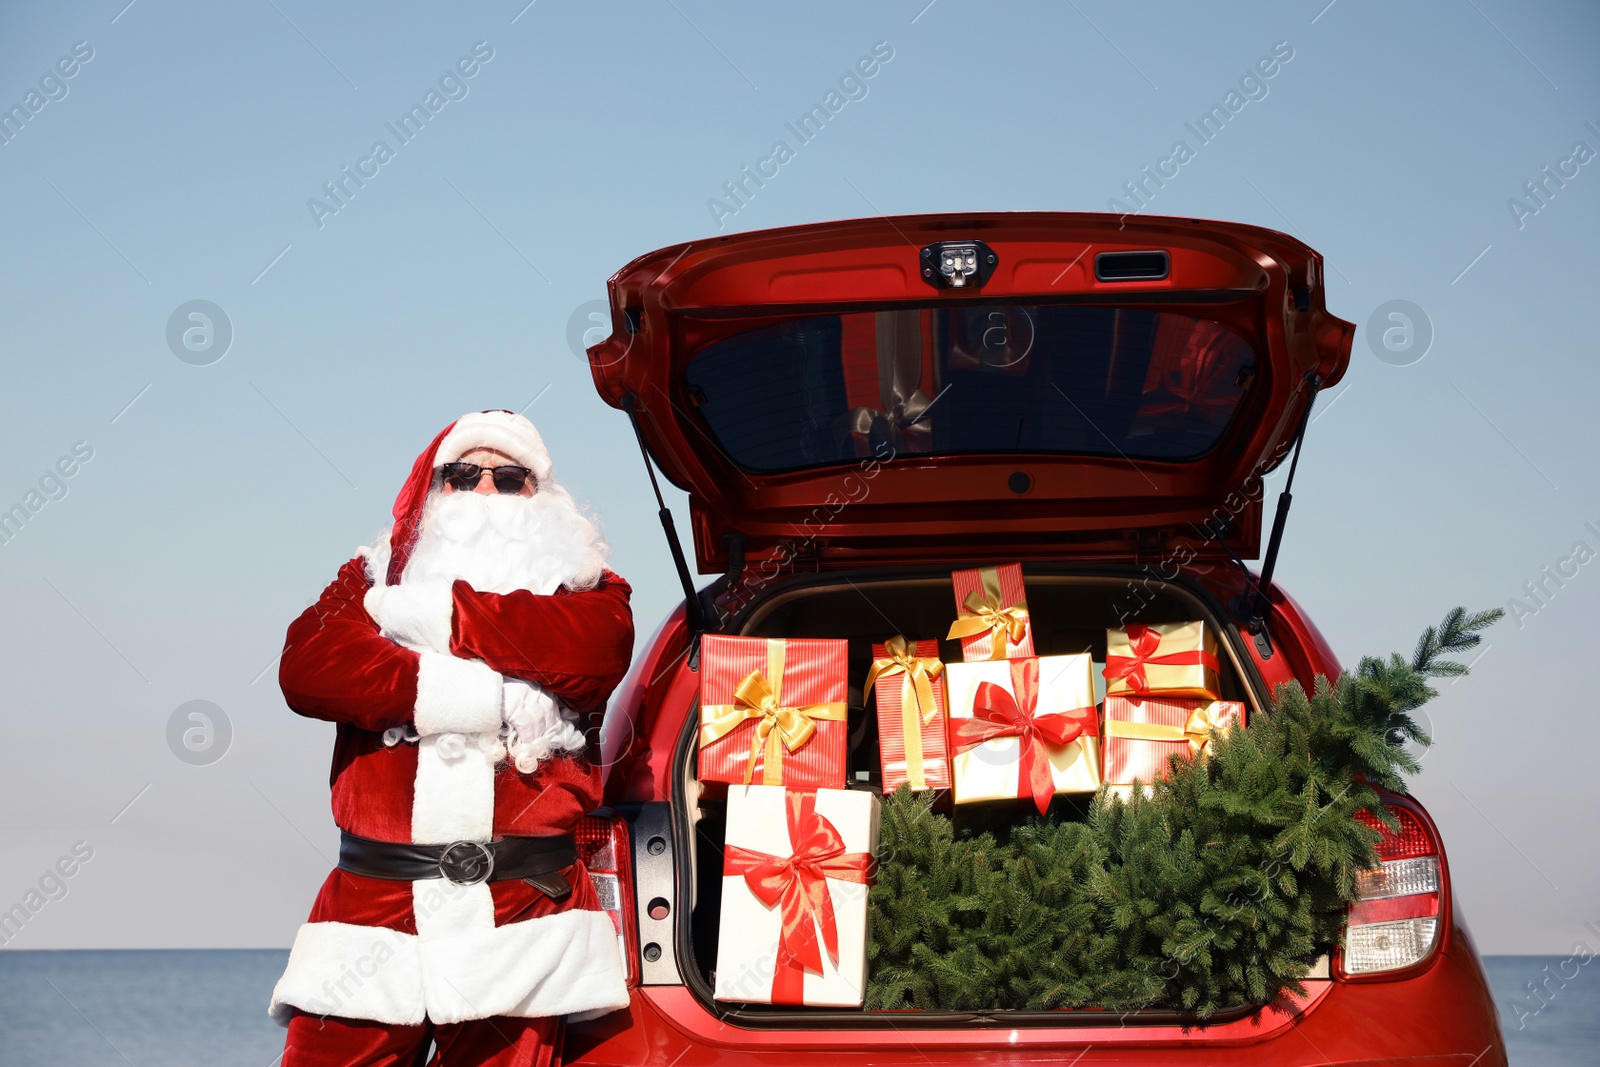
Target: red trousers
328 1041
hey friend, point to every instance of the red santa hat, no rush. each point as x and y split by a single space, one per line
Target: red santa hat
501 430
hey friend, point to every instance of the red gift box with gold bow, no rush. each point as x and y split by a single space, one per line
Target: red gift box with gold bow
1023 729
1141 735
911 714
795 874
991 613
773 711
1175 659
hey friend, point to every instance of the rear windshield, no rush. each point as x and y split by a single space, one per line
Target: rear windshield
827 389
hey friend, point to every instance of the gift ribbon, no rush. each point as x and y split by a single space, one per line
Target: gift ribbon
778 725
898 421
1143 642
997 713
917 707
1196 729
983 611
798 884
904 402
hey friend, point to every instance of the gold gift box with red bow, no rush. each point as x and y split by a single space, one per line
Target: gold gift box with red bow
1023 729
1175 659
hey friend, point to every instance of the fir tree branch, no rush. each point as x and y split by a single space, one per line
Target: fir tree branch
1219 890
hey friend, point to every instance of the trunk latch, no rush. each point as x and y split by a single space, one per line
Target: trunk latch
957 264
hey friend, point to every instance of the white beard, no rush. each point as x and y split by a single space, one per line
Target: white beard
502 543
499 544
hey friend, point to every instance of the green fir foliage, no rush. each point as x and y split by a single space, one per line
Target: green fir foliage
1218 891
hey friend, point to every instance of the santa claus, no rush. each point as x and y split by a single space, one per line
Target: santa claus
460 658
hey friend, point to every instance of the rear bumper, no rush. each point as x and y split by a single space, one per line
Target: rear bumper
1443 1017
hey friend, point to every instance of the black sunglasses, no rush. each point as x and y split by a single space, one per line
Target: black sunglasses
463 477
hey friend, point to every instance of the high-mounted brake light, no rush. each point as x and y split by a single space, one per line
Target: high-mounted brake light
1132 266
1396 922
603 847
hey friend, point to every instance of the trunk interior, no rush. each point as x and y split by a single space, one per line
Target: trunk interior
1072 611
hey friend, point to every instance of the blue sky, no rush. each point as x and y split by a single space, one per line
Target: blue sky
177 162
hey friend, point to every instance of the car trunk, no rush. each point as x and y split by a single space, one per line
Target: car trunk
1080 604
854 408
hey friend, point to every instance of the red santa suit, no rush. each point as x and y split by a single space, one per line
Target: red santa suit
420 678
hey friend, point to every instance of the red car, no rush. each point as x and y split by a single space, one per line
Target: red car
857 407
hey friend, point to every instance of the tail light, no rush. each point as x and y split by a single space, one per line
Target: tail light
603 849
1395 923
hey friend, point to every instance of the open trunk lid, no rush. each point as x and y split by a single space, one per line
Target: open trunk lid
949 388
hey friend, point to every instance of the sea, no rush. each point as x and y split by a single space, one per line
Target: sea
207 1008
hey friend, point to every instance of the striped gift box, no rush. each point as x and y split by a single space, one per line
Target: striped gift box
1141 734
991 613
912 713
773 711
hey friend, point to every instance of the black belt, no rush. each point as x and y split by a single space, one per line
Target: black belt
538 861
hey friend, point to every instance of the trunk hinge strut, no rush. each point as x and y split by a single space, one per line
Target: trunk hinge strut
692 610
1260 605
714 614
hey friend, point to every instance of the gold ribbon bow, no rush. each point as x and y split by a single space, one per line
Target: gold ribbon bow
1196 729
984 612
917 706
779 726
897 422
900 421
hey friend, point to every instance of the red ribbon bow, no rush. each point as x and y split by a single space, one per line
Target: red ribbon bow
798 884
997 713
1143 642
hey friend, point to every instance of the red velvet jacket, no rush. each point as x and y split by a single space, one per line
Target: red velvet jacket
337 666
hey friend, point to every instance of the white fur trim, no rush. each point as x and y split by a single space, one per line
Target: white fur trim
444 909
355 972
418 614
556 965
501 431
457 695
561 964
453 793
458 713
